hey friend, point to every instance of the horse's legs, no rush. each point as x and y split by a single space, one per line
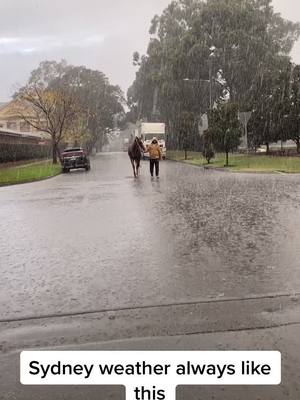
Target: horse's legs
133 166
137 167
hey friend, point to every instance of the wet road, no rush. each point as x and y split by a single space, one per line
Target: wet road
102 240
138 258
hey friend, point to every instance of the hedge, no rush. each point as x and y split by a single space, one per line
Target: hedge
17 152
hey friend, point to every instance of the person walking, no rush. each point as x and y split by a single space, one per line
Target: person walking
155 155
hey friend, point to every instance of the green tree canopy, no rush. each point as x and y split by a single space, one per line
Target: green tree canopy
290 106
231 43
97 101
225 129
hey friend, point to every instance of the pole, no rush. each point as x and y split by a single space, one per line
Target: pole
210 82
246 136
211 57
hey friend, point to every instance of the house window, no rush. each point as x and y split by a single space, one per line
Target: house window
24 126
11 125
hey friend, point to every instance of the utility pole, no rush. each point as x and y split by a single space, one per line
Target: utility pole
210 83
211 57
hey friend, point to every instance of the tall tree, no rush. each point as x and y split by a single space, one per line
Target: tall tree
291 107
92 103
267 122
167 81
53 112
100 101
178 74
247 36
186 129
225 128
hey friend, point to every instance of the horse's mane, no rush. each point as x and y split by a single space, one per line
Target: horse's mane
134 150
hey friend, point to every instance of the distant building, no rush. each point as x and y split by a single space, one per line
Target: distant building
11 118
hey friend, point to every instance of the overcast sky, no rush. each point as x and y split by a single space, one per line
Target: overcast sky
101 34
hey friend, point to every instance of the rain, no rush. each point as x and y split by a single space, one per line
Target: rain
150 186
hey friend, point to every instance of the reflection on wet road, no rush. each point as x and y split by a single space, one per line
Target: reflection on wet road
102 240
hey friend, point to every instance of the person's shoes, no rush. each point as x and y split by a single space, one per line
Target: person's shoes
157 177
152 178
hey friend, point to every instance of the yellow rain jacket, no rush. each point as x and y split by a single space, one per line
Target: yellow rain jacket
154 151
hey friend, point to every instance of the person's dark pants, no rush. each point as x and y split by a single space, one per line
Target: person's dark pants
154 162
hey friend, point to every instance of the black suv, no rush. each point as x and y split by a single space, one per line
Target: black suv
75 157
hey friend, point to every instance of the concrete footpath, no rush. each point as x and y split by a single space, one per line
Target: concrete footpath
284 338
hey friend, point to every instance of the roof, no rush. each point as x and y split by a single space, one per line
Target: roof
14 109
2 104
10 132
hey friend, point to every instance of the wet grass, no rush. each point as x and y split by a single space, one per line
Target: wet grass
34 171
242 162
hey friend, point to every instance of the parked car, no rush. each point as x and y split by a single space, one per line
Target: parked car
261 150
73 158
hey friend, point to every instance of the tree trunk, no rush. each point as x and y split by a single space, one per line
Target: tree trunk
185 154
54 152
298 145
226 158
268 148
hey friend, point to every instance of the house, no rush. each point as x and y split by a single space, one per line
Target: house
11 118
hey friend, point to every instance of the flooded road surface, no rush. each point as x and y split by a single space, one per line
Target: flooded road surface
102 240
100 256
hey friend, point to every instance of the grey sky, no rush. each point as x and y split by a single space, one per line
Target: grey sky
101 34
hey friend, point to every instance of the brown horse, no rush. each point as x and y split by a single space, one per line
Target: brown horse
135 154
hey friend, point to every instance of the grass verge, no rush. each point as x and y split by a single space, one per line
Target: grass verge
28 172
242 162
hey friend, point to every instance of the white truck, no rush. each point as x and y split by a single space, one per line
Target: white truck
148 130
